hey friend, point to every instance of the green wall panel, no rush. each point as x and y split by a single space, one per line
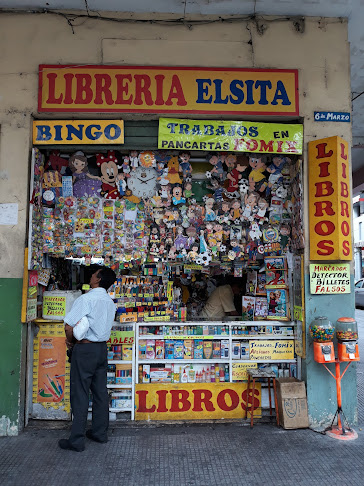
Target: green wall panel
10 356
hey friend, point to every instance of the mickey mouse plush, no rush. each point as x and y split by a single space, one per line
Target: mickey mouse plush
109 174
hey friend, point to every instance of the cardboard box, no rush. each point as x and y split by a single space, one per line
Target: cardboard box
292 403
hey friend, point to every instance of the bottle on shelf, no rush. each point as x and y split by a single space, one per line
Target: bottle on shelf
212 374
191 375
222 374
184 378
217 374
208 378
177 376
227 373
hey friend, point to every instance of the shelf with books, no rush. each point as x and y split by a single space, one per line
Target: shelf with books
121 368
160 357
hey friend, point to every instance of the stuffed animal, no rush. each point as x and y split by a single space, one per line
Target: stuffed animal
173 171
84 183
275 171
185 166
56 162
234 177
109 175
257 179
218 169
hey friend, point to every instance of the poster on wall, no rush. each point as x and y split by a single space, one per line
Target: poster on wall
51 385
330 278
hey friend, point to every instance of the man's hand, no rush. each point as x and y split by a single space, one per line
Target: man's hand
70 339
69 345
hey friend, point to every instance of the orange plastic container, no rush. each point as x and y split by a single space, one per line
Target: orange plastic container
348 351
324 352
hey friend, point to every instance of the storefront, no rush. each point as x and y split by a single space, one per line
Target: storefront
162 113
217 204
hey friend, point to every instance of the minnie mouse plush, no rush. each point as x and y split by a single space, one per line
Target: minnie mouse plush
109 174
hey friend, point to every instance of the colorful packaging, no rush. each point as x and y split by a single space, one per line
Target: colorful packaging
244 350
216 353
146 373
160 375
142 349
123 374
150 353
207 349
188 348
248 308
236 350
224 348
198 349
127 352
169 349
159 349
178 350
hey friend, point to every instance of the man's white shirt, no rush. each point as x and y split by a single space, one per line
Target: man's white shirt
99 308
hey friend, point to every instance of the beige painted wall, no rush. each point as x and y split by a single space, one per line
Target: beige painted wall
321 54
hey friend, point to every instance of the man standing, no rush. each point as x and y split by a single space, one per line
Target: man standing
89 361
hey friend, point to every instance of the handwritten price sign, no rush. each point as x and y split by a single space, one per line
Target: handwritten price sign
239 372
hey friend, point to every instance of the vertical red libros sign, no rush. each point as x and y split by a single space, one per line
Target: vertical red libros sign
329 200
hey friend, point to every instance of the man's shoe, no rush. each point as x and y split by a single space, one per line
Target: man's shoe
95 439
65 444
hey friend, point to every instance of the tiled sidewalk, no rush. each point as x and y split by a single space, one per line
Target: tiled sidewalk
185 456
198 455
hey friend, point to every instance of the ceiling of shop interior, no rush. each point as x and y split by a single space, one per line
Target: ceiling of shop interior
352 9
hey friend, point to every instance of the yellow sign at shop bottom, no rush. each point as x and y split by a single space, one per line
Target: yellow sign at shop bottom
195 401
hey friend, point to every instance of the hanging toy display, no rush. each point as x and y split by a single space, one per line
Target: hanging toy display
142 206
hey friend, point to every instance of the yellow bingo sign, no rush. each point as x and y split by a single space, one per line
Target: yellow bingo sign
88 132
192 401
272 350
153 89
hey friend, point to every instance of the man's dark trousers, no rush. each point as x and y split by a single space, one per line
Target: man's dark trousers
89 371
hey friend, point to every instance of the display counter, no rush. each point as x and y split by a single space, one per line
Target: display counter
177 360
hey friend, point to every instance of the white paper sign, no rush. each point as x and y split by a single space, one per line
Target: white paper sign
9 213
